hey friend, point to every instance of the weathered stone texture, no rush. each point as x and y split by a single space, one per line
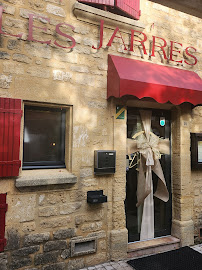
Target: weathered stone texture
67 209
22 208
5 81
33 239
54 223
55 266
3 261
21 58
64 233
23 252
49 257
55 245
18 262
4 55
13 239
75 264
58 11
48 211
66 254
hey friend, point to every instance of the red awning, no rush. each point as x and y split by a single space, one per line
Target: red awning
142 79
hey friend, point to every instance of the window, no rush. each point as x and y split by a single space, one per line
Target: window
127 8
196 151
44 137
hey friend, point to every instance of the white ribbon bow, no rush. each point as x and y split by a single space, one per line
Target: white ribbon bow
150 148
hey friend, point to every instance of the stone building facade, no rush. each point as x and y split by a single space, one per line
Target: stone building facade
49 224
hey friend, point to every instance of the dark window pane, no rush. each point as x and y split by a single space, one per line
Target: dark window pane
44 130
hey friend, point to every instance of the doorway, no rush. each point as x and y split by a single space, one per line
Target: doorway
160 125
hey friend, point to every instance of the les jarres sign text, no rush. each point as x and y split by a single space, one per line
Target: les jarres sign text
116 34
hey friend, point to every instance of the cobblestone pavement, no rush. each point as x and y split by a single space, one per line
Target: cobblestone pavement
122 265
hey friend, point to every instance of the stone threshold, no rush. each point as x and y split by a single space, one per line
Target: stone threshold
154 246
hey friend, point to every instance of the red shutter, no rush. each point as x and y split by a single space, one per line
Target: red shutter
10 119
132 7
3 209
100 2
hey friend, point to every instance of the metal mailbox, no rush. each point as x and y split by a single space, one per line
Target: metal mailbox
105 161
96 196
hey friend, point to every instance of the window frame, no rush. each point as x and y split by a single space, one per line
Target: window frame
117 8
195 163
66 138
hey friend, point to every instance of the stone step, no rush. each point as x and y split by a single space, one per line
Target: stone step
154 246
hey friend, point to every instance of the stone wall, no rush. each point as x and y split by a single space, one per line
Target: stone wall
41 222
196 127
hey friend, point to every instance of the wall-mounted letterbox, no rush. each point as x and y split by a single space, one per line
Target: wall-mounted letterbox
96 196
105 162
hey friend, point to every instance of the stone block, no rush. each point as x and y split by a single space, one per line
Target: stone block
24 13
67 209
9 9
38 238
65 254
49 257
36 5
83 246
38 72
28 227
53 198
63 56
55 10
9 67
11 22
59 75
95 226
55 266
55 245
38 50
21 58
85 80
48 211
98 258
3 261
23 252
21 208
4 55
80 69
75 264
19 262
13 239
98 235
5 81
64 233
119 244
184 230
54 223
14 44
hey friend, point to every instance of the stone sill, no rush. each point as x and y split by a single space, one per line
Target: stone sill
94 15
46 177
